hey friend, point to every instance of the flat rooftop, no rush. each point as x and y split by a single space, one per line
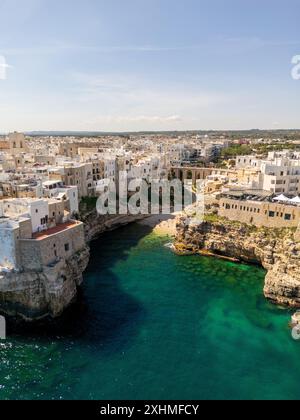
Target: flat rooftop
47 183
253 195
53 231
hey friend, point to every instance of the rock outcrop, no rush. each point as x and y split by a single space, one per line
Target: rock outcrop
33 296
277 250
96 224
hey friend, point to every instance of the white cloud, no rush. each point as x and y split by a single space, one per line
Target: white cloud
131 91
118 102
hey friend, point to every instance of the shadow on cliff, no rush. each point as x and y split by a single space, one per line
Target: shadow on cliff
104 317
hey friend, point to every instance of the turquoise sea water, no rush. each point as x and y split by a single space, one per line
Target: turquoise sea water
152 325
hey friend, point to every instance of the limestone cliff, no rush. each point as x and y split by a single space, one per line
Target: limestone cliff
278 251
33 295
45 294
96 224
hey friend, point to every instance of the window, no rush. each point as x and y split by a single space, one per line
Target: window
287 216
271 213
67 247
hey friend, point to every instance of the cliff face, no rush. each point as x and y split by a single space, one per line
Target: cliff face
37 295
277 251
96 224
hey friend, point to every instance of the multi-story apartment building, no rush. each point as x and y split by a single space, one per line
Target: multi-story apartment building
79 175
110 168
281 176
66 194
279 173
37 210
27 243
257 208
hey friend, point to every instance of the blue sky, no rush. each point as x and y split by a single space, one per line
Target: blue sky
122 65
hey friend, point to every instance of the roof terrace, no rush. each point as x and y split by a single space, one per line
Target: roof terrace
55 230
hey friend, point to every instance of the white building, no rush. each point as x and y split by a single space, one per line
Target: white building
110 168
56 189
243 162
37 210
9 235
281 176
280 172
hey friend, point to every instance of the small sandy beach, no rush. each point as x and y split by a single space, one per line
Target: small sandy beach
162 224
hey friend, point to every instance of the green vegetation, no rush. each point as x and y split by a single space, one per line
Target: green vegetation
211 218
257 149
233 151
87 204
228 155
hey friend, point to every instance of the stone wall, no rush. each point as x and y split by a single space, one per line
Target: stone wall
30 255
25 229
271 215
36 253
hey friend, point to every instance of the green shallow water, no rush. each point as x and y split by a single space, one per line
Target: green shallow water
152 325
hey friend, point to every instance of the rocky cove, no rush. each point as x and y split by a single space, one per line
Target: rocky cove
276 250
95 224
45 293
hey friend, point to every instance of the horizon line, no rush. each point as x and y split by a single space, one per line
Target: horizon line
28 132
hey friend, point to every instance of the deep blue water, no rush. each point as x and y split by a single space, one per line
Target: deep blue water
152 325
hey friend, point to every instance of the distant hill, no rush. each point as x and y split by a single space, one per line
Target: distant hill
255 133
